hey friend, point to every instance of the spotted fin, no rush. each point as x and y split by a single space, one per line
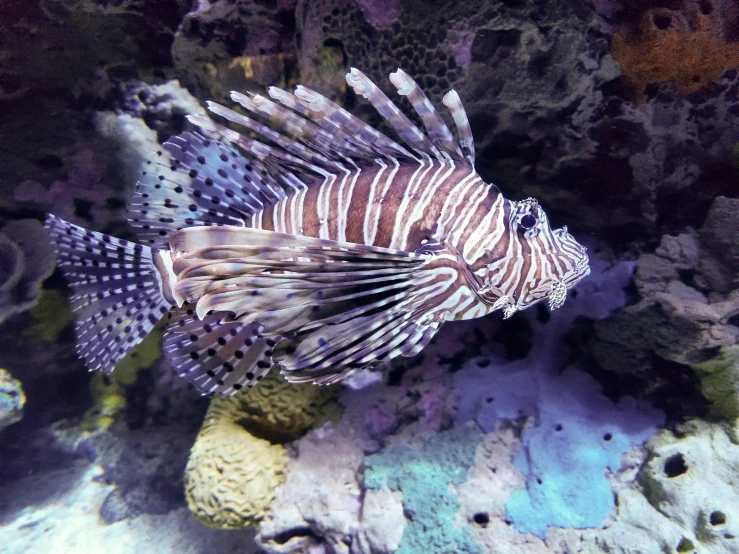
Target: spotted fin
117 298
217 357
197 181
339 306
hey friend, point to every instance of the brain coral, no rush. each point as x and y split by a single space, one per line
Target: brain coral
238 459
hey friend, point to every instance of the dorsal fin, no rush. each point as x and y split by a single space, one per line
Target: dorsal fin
201 182
406 130
300 128
466 142
438 131
307 133
335 118
288 144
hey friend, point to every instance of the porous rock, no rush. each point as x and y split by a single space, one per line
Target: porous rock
687 310
690 479
319 504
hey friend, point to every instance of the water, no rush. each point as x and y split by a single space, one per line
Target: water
607 425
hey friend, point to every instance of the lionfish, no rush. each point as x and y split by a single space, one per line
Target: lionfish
322 246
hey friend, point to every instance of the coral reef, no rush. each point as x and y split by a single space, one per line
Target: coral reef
231 475
578 437
392 442
27 260
12 400
238 460
319 504
510 63
687 310
687 44
224 46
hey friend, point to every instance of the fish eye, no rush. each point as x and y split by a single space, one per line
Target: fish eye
528 217
528 221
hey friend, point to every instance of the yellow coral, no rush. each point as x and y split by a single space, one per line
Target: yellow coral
237 460
108 391
231 475
50 315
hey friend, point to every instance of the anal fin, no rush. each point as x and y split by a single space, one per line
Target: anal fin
216 356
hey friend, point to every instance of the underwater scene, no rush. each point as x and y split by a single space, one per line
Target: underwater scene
369 276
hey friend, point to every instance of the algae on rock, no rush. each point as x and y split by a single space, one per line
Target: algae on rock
720 382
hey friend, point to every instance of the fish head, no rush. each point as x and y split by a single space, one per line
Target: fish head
542 262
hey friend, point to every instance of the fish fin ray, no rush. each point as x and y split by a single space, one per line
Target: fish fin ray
407 131
117 296
437 130
466 141
217 356
377 304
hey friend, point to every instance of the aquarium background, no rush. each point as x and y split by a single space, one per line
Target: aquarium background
608 426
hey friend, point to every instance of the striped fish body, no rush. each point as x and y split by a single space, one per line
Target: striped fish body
322 245
382 204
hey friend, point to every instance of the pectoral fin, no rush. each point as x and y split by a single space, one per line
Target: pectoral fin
336 306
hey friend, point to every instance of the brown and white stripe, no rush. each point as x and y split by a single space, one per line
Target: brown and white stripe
328 246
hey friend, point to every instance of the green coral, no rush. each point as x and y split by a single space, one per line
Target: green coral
238 459
50 316
720 382
423 475
109 391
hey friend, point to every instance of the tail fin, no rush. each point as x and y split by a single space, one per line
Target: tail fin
117 295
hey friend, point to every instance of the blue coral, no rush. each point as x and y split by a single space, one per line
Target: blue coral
580 435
